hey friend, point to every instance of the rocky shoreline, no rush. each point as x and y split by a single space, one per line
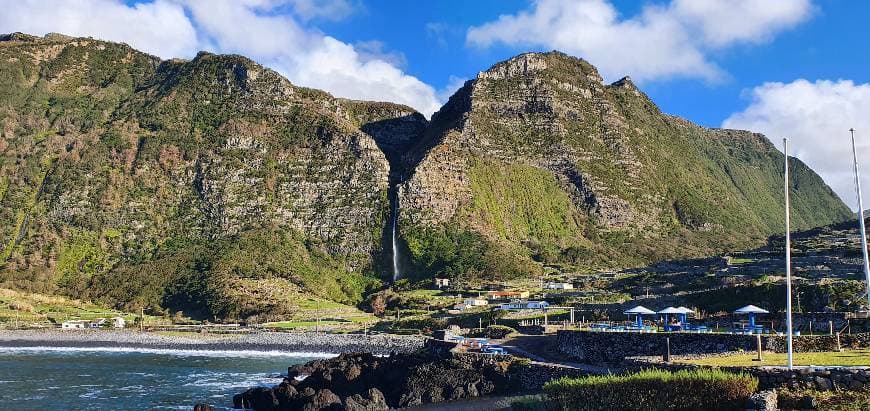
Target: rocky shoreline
436 374
321 343
363 381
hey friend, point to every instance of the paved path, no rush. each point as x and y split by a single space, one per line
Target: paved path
541 350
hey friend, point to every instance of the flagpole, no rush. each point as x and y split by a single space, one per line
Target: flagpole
861 218
787 259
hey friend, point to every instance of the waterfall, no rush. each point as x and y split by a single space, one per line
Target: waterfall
395 224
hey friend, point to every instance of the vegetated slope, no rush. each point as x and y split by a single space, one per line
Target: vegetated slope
539 159
211 185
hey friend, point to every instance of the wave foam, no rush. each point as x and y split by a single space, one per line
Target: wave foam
167 351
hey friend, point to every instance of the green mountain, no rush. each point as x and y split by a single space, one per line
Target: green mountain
217 187
175 183
538 158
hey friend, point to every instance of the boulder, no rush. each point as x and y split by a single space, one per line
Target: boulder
374 401
323 400
763 401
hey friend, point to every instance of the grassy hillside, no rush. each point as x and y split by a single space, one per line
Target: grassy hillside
541 159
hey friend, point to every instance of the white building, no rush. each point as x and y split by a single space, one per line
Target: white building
119 322
74 324
442 282
476 302
470 303
560 286
525 305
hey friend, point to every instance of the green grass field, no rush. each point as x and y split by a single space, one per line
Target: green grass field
39 308
845 358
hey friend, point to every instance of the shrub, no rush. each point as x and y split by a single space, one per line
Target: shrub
496 332
701 389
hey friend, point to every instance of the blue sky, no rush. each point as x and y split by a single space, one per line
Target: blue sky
832 44
784 68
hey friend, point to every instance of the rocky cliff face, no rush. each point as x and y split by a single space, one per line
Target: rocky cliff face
111 158
538 154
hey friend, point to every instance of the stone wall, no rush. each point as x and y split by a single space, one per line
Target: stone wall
606 347
440 348
533 376
818 378
809 343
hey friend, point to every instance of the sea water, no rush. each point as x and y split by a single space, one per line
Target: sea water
40 378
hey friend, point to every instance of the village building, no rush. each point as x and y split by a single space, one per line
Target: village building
494 295
525 305
442 282
471 303
560 286
75 324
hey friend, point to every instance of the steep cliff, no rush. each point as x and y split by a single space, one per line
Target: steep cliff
113 161
539 157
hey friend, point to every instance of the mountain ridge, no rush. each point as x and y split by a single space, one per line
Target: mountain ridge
216 186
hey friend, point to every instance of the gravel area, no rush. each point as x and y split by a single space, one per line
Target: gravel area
263 341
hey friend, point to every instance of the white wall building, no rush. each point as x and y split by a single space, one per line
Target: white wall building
476 302
525 305
74 324
560 286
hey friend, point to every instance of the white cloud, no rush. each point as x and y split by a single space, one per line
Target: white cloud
730 21
264 30
376 50
453 85
816 117
159 28
661 41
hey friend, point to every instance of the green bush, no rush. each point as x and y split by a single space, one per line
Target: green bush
701 389
496 332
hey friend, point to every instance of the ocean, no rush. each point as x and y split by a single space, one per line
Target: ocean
41 378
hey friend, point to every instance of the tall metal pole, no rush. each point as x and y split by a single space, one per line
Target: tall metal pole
787 259
861 218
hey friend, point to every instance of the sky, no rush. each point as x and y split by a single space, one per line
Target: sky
785 68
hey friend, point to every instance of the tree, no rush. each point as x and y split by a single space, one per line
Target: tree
379 304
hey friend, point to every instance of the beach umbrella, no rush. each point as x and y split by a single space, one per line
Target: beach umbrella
685 312
639 311
751 310
669 311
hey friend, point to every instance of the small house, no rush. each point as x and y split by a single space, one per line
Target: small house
525 305
537 305
98 323
442 282
119 322
74 324
476 302
495 295
470 303
560 286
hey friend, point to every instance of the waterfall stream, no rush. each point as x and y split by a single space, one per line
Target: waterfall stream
393 231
